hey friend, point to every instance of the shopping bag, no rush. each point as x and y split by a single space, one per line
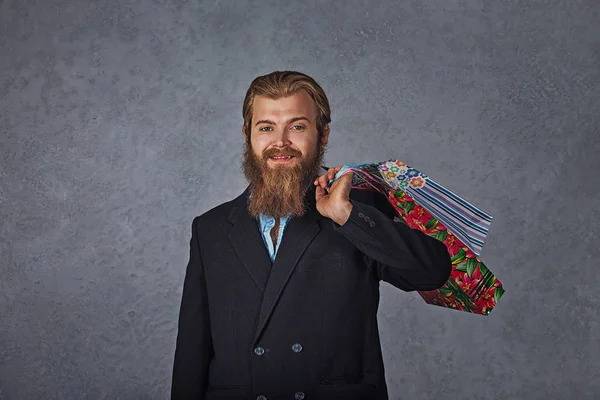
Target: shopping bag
427 206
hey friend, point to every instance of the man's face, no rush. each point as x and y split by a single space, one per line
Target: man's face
285 154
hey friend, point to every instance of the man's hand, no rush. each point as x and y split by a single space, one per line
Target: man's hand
335 202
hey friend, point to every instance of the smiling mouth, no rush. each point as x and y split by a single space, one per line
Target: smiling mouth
281 158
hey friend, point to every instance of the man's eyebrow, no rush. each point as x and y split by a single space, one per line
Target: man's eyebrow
268 121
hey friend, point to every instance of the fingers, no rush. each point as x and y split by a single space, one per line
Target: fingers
320 192
321 181
324 179
333 171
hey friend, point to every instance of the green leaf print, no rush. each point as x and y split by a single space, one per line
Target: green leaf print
498 293
431 223
440 235
462 267
458 257
483 269
471 265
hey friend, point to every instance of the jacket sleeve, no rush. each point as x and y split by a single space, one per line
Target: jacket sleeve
194 350
404 257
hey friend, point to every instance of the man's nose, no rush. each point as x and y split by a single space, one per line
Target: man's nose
281 137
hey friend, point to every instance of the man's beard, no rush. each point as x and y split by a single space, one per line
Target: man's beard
280 190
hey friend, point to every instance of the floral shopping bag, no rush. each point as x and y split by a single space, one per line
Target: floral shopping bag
427 206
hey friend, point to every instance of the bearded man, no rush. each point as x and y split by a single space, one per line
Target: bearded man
281 291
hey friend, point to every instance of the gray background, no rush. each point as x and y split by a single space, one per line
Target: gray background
121 120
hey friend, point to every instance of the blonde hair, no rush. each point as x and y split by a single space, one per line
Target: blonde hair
280 84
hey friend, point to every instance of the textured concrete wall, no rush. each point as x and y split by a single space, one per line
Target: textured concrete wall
121 120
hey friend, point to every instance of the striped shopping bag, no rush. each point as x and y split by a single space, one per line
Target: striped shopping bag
436 211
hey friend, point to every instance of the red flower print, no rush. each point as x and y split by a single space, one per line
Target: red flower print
431 230
420 215
467 284
486 300
453 244
419 225
430 296
458 305
479 309
417 182
468 252
424 216
456 274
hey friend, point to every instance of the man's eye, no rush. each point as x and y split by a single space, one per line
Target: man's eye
296 127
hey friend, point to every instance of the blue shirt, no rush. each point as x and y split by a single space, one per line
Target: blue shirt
266 224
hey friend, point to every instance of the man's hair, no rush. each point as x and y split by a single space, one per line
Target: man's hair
280 84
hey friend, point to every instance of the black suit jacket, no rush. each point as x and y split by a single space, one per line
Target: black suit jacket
303 327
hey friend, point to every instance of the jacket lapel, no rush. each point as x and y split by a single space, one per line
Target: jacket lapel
271 278
248 243
298 235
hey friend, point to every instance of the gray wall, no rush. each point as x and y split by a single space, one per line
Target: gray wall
121 120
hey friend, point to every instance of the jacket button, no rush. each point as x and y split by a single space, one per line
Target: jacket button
297 347
261 397
367 219
372 224
361 215
259 352
299 396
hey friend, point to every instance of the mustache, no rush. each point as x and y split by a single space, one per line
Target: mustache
281 153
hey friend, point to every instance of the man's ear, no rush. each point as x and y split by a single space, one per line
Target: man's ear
244 133
326 131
